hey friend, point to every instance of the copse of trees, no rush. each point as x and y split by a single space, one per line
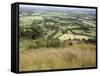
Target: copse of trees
41 43
31 32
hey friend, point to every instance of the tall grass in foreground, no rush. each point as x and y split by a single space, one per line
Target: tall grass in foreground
76 56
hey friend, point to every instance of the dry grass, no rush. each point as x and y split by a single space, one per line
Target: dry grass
76 56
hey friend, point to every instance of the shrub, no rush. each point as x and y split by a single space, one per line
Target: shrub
32 45
70 43
41 43
52 43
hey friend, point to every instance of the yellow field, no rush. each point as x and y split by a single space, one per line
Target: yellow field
76 56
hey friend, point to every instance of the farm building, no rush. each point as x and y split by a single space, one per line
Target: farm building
72 37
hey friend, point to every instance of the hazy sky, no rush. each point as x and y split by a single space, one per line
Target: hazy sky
37 7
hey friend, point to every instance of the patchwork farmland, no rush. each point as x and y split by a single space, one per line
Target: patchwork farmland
56 40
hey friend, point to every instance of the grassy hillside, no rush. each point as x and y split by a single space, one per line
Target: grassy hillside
82 56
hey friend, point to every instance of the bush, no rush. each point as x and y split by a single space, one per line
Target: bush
32 45
52 43
70 43
47 43
41 43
